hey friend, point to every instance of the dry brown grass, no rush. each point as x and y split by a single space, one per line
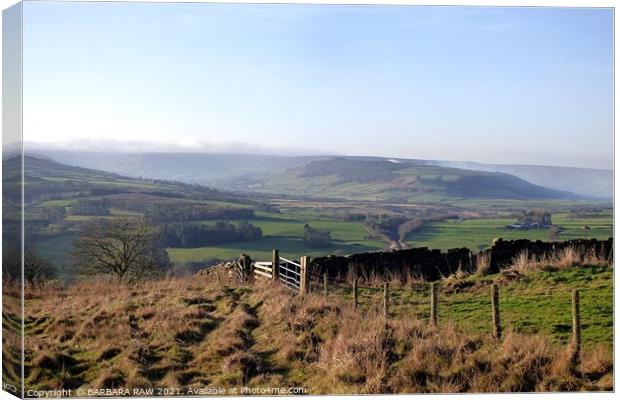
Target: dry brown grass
483 263
195 331
568 257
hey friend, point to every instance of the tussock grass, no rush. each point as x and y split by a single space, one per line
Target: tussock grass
483 263
208 330
561 259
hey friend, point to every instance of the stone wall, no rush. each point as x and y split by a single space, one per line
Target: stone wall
433 264
503 251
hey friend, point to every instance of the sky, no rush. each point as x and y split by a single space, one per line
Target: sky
502 85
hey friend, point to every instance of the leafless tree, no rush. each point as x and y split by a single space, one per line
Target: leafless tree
127 248
37 270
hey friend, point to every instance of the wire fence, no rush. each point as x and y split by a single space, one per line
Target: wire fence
434 302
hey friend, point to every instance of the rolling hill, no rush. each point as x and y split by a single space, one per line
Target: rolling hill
202 168
585 181
47 179
391 180
225 171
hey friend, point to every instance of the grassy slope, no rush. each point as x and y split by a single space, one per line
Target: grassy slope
208 331
474 233
538 303
381 180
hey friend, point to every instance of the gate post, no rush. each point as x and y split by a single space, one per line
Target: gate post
303 275
275 263
246 267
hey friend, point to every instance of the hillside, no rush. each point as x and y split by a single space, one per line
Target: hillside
226 170
210 331
45 176
59 199
202 168
386 180
585 181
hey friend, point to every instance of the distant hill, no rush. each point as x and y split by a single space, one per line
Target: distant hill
202 168
47 179
242 171
584 181
393 180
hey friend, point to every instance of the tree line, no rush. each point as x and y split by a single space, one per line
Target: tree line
174 213
198 235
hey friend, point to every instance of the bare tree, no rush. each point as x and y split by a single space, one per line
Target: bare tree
37 270
128 248
11 262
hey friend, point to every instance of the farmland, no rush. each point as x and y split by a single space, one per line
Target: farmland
444 221
285 232
219 331
479 233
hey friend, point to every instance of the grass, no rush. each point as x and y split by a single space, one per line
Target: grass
58 251
538 303
261 250
285 232
479 233
535 297
209 330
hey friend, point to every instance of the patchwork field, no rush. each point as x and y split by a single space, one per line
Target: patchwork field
285 232
356 224
479 233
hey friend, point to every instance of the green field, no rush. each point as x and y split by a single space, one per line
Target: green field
281 231
479 233
285 232
283 224
58 250
539 303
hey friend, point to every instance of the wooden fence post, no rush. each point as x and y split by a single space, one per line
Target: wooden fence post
303 272
576 327
246 266
497 327
325 284
386 299
434 303
275 263
355 293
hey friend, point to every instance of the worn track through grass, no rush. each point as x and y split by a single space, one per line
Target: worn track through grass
208 331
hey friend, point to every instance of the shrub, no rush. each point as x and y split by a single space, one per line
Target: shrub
316 237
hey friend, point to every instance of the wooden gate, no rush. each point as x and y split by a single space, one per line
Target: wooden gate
292 275
289 274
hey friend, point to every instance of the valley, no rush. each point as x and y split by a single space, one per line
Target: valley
362 205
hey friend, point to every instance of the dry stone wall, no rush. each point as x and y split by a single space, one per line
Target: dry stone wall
432 264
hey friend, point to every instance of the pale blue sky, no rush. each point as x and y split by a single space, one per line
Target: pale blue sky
511 85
